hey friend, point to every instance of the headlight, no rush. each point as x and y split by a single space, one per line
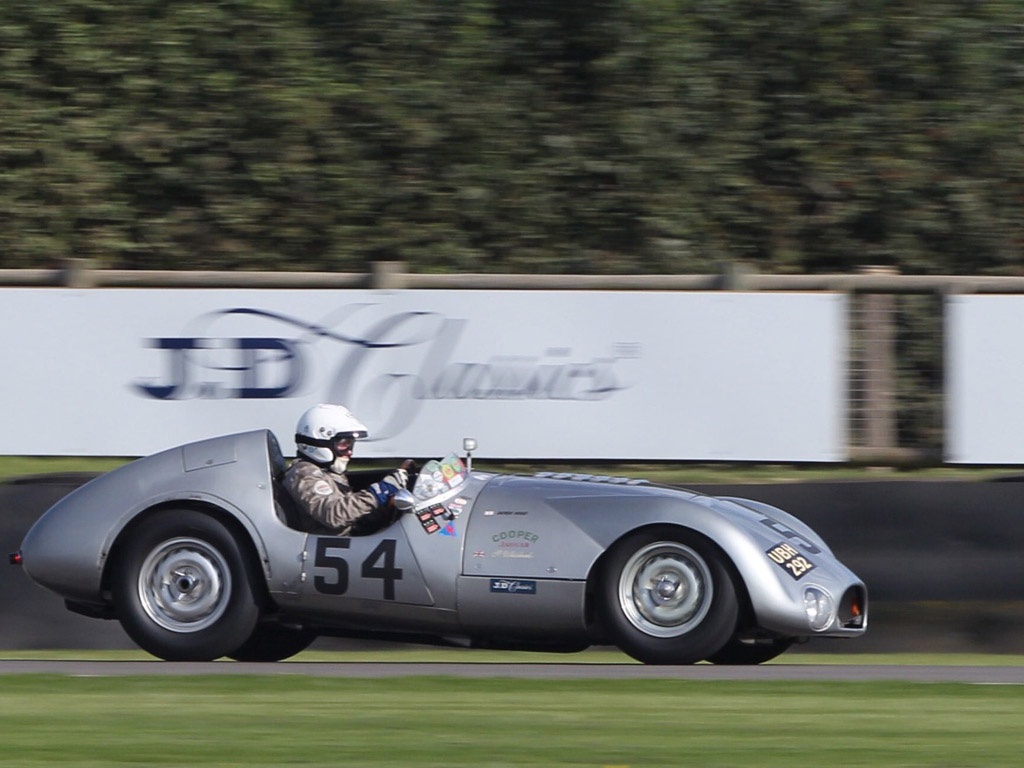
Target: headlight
820 608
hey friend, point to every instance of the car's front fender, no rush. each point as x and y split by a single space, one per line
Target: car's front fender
561 528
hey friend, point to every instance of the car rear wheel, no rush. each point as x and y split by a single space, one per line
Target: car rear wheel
273 642
738 651
182 587
667 597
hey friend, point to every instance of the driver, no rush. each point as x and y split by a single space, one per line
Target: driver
316 480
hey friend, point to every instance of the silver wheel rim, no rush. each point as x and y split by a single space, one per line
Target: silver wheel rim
184 585
665 589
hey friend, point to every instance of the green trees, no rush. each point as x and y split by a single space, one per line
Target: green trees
513 135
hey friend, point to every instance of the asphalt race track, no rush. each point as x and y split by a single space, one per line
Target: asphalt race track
991 675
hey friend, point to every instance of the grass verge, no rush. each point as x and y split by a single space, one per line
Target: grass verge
493 723
676 473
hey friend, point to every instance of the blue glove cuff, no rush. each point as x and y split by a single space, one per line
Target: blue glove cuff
383 492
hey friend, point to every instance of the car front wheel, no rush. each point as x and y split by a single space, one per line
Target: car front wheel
182 588
667 597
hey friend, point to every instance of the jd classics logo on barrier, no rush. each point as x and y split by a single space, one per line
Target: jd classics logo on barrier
399 362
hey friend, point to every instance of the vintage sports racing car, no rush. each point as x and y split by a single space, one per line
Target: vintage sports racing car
199 555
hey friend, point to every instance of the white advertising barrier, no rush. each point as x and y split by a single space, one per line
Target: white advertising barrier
602 375
985 379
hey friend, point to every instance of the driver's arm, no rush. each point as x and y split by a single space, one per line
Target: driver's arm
328 502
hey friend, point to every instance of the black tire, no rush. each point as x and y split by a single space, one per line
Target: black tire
667 597
738 652
183 589
273 642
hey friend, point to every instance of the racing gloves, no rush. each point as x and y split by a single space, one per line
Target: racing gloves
384 491
399 478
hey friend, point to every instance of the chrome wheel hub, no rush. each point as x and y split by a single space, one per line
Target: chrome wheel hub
665 589
184 585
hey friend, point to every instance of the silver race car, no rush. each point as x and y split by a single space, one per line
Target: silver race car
198 554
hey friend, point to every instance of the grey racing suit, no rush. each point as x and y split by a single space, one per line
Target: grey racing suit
328 503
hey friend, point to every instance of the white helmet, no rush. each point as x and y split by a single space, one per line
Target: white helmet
322 428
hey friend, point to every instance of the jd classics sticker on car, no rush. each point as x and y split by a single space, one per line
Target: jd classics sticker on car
514 586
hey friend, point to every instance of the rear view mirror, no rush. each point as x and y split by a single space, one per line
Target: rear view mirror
469 445
404 501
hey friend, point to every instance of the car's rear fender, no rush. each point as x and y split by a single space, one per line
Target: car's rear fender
68 548
233 520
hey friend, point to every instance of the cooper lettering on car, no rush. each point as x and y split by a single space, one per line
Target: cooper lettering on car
387 572
379 564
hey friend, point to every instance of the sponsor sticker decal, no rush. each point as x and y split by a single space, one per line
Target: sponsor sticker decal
514 586
427 518
436 518
520 536
512 554
788 557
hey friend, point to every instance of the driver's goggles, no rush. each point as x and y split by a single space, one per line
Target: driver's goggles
344 442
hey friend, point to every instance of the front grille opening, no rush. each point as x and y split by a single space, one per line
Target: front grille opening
853 608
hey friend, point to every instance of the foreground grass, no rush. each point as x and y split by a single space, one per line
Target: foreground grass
490 723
